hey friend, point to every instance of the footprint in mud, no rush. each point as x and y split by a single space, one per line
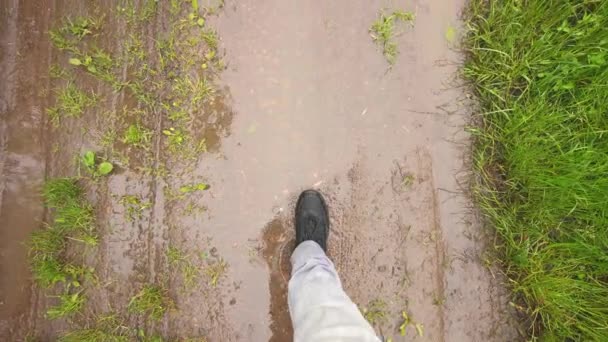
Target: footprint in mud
278 245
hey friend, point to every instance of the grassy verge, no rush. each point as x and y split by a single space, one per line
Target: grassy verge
540 72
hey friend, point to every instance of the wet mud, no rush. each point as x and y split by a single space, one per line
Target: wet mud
307 101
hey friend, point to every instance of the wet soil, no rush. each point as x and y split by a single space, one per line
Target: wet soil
307 101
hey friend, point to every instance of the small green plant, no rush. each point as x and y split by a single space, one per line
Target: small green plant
80 27
98 63
137 136
383 32
134 206
69 304
407 320
71 103
71 211
375 312
135 15
57 72
151 301
211 38
58 192
106 328
73 31
176 138
181 262
46 242
408 180
89 160
92 335
47 270
186 189
73 218
215 271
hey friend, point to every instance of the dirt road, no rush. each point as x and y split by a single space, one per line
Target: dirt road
307 101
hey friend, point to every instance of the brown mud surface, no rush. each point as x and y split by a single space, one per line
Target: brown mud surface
306 101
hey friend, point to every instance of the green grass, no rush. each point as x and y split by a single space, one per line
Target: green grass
383 32
138 136
134 207
72 31
58 192
71 102
375 312
106 328
181 263
47 271
69 305
152 301
92 335
539 70
71 214
73 219
216 271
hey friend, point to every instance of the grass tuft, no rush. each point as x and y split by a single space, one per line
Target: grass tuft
71 103
138 136
375 312
106 328
69 304
539 70
383 32
152 301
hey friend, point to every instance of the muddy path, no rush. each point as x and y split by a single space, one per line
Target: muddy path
302 98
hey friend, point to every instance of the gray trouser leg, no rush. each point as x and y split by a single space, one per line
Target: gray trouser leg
320 309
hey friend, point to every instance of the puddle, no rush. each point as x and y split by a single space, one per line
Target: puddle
278 244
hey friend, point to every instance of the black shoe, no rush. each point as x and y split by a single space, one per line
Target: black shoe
312 219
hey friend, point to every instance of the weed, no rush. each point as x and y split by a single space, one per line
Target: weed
69 304
71 102
375 312
57 72
137 136
180 261
89 160
407 320
47 242
541 154
152 301
58 192
72 31
408 180
92 335
71 212
99 64
211 38
136 15
186 189
47 271
175 256
134 207
194 90
176 137
81 26
106 328
108 138
74 216
383 32
215 271
192 208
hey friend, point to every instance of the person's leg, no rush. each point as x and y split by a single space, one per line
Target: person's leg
320 309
